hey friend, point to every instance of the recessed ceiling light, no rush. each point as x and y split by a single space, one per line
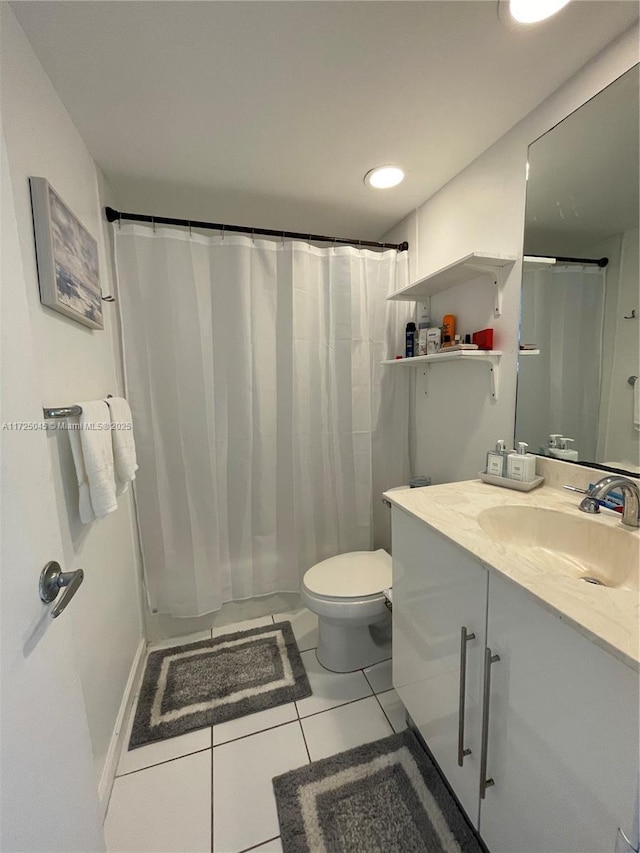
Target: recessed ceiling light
532 11
383 177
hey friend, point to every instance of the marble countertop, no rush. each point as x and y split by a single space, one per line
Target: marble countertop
607 616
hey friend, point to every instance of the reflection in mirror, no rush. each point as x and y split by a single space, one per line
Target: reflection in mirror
580 294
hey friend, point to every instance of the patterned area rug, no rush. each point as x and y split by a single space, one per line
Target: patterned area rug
383 797
212 681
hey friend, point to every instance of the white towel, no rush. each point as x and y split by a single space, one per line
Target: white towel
124 448
636 404
86 510
93 457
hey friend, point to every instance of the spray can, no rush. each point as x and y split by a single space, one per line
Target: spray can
410 345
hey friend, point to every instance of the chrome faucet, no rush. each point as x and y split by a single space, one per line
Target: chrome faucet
599 491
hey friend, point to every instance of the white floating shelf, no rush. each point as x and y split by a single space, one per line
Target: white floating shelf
490 357
456 355
528 352
466 269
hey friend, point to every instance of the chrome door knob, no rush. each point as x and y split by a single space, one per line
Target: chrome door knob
52 580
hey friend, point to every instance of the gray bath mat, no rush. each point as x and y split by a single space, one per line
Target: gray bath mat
383 797
196 685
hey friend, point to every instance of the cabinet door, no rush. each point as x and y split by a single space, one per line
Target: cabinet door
438 589
563 733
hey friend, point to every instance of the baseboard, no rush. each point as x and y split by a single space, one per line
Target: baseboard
115 746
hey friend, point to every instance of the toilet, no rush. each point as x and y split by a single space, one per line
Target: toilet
354 623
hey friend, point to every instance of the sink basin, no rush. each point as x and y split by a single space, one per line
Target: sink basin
579 547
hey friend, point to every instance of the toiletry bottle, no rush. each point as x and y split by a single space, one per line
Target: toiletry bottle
564 452
521 466
423 327
449 326
497 460
433 340
410 345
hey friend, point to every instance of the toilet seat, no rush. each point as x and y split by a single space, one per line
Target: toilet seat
358 575
354 624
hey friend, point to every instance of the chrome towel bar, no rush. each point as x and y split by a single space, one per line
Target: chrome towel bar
61 412
51 412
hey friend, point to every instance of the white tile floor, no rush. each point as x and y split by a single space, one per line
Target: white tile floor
210 790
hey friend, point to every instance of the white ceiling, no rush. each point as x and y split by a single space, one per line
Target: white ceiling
269 113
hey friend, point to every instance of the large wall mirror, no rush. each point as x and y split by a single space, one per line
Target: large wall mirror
580 319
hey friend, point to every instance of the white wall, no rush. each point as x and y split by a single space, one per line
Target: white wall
482 209
75 364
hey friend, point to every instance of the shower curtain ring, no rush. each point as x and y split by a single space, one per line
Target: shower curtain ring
153 222
222 233
119 221
189 229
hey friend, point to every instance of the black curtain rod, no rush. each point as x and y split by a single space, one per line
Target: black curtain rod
601 262
113 215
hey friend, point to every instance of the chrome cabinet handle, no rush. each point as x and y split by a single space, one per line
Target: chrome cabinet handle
464 639
52 580
486 698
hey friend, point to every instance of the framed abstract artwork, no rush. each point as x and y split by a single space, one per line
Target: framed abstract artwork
67 256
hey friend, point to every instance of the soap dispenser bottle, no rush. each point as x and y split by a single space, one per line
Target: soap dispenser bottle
553 443
521 466
565 452
497 460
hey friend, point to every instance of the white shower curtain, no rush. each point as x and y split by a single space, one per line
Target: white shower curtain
264 424
559 390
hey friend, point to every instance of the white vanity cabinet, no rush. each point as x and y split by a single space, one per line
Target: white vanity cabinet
439 597
561 746
563 733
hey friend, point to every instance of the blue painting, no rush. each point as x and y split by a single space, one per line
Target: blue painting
68 268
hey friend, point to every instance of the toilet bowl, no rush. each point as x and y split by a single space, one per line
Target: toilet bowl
354 624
